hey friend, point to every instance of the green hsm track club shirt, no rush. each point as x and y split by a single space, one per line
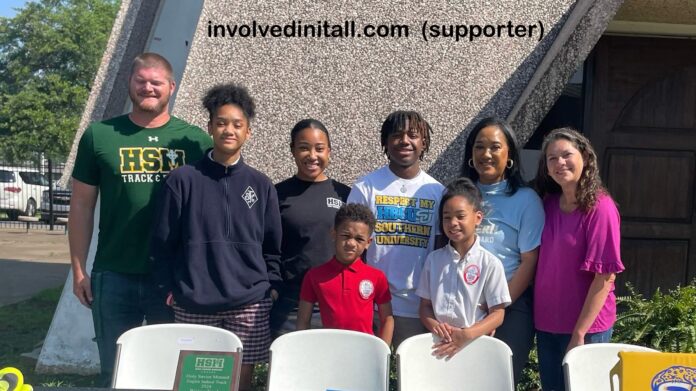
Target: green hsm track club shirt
129 163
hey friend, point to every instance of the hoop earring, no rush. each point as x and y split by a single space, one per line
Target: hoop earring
510 163
471 163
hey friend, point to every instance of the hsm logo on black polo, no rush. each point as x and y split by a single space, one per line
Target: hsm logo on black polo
149 164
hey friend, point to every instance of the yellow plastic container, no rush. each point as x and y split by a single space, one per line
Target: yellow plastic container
650 371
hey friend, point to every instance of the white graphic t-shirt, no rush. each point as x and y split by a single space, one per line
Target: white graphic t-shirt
407 223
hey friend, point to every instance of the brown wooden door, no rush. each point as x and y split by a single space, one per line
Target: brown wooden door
642 121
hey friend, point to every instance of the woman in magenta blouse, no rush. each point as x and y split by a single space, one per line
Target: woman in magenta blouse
579 257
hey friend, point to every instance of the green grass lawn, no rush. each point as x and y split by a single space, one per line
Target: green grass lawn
23 328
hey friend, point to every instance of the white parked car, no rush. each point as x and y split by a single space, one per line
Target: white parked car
21 190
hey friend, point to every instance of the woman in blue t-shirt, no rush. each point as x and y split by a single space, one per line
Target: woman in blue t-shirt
511 228
308 203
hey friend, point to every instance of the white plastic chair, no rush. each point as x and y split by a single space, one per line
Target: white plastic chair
588 367
483 364
328 359
147 356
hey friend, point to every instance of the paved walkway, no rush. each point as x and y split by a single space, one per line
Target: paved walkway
31 262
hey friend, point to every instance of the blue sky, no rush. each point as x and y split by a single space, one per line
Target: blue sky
6 7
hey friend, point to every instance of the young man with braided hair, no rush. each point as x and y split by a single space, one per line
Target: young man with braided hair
405 201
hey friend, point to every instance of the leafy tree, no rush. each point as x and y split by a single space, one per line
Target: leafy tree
49 54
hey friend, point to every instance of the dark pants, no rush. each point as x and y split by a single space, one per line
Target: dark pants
405 328
551 349
121 302
517 331
284 316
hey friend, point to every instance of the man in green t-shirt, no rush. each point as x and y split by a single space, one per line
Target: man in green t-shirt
125 160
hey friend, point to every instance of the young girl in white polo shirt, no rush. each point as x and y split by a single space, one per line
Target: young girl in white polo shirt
462 286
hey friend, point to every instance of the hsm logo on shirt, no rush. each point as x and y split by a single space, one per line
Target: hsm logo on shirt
333 202
149 164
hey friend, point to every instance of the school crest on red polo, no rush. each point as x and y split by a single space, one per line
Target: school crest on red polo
366 289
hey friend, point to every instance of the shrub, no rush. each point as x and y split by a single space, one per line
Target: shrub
666 322
530 374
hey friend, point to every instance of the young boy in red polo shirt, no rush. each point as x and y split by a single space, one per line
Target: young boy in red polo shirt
345 287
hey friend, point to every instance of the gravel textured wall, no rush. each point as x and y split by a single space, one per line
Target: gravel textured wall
352 84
